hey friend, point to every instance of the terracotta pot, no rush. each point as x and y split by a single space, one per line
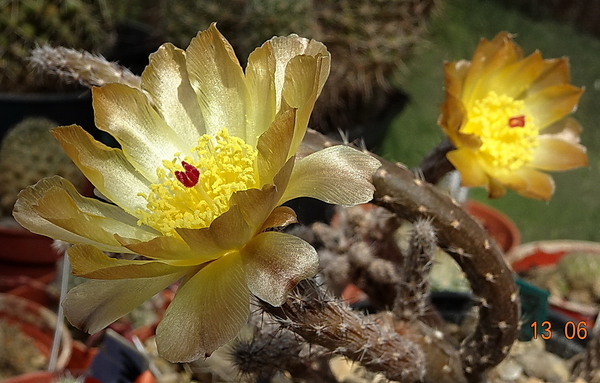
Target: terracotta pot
37 323
542 253
501 228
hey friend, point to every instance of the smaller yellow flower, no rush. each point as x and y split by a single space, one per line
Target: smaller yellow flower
508 117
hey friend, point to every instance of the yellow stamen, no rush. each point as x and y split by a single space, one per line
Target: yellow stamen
225 164
508 134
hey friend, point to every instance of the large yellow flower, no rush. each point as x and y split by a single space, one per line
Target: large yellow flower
508 117
207 158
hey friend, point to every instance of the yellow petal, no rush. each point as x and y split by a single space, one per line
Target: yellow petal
107 168
166 81
557 154
228 231
208 310
89 262
488 59
495 188
516 78
556 71
538 185
95 304
338 174
273 146
218 80
466 162
126 114
280 217
260 77
53 207
552 103
275 263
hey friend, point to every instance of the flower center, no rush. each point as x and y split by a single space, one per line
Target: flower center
195 190
508 134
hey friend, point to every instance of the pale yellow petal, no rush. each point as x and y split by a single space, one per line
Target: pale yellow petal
95 304
260 77
257 204
301 89
219 83
288 47
145 137
166 81
89 262
275 263
339 175
53 207
557 154
552 103
274 145
466 162
567 129
168 249
209 309
107 168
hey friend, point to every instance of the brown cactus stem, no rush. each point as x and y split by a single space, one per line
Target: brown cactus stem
398 190
325 321
435 165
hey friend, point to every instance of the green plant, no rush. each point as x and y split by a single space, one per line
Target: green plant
29 153
81 24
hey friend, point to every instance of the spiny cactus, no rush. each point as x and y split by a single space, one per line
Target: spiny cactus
29 153
82 24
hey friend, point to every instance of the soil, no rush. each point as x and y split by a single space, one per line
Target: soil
18 353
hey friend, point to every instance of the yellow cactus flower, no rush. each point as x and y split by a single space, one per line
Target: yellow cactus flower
207 158
508 118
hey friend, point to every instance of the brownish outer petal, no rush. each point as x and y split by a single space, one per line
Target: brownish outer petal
208 310
538 184
280 217
169 250
275 262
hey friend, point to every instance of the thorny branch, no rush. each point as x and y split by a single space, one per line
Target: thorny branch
410 198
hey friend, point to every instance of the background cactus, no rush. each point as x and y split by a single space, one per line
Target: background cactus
29 153
81 24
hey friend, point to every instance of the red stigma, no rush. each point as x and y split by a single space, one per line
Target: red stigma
189 177
517 121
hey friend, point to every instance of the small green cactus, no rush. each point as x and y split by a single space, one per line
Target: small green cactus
582 271
29 153
81 24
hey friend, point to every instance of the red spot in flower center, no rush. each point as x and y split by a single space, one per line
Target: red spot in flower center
189 177
517 121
